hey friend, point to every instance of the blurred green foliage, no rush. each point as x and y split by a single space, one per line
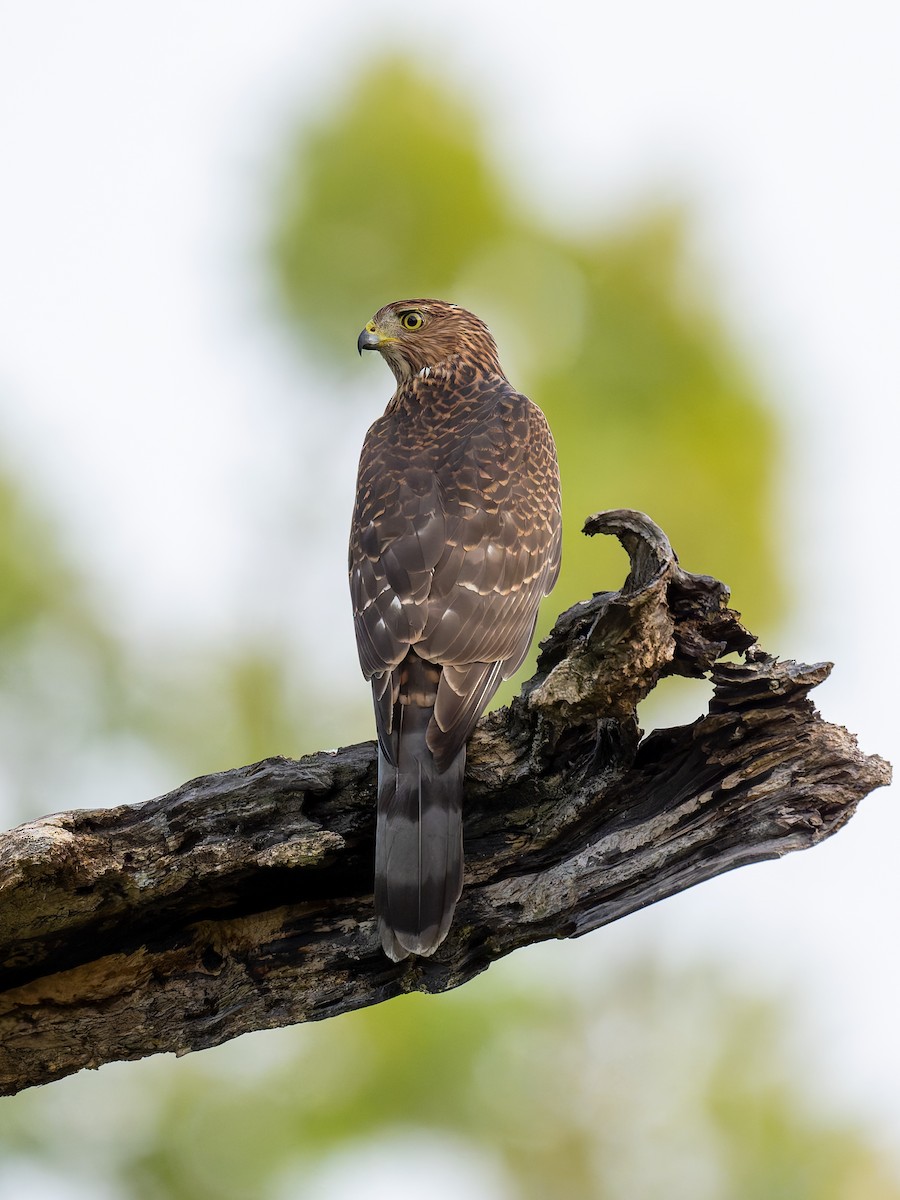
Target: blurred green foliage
394 195
35 580
61 676
655 1084
71 689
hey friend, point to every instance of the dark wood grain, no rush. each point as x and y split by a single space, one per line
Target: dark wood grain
242 900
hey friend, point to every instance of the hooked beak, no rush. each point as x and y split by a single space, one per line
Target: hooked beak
368 339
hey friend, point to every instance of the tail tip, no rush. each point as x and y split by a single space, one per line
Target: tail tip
400 944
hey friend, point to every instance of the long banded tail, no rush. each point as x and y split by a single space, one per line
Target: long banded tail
418 840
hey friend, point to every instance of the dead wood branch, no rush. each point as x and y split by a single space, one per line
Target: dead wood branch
242 900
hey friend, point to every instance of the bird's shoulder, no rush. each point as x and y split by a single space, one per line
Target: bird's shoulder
462 441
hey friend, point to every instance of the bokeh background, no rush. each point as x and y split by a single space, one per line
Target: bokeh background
681 223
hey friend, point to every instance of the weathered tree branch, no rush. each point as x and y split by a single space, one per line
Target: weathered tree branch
242 900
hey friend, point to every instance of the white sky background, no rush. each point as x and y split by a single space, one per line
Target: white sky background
138 359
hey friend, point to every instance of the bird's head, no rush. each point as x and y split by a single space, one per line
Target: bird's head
412 335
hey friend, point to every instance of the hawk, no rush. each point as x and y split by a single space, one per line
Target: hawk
455 540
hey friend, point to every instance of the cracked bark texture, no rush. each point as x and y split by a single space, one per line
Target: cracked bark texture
242 900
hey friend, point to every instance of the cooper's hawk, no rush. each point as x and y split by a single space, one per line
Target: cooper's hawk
455 540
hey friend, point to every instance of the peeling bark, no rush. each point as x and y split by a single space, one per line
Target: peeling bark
242 900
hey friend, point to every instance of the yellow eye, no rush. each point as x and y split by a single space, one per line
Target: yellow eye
412 320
